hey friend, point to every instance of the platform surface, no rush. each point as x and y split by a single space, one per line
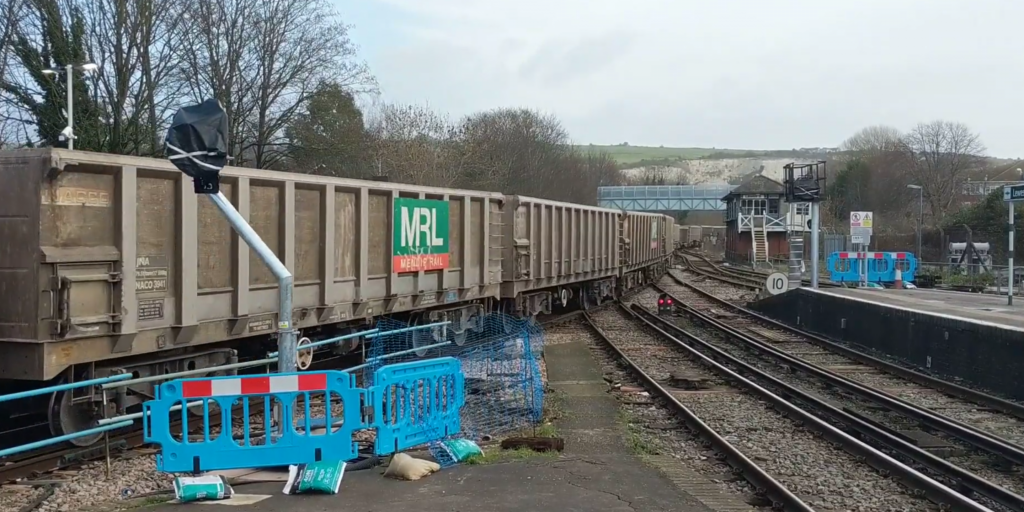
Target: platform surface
971 307
597 472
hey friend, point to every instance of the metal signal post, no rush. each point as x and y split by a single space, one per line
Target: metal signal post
1011 194
805 183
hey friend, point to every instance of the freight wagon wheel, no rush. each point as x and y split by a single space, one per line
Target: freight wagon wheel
423 337
305 357
67 418
584 299
507 318
459 338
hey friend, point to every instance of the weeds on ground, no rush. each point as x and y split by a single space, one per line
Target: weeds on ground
636 438
546 428
498 455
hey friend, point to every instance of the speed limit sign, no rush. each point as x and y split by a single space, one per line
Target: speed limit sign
777 283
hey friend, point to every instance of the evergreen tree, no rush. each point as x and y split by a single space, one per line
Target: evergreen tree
59 42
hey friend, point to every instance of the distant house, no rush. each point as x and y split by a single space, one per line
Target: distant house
759 222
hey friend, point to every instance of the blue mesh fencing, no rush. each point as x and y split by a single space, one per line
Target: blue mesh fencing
500 360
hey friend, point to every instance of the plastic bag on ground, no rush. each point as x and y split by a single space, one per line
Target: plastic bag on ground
461 449
316 477
201 488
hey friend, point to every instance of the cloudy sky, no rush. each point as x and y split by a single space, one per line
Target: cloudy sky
763 74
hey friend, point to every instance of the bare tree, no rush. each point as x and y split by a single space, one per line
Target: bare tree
414 144
214 59
873 174
263 59
874 140
133 42
516 151
939 156
10 12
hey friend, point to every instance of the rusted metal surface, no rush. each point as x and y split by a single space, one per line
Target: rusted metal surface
126 260
550 243
651 237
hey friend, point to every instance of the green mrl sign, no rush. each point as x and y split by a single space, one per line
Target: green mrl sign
420 235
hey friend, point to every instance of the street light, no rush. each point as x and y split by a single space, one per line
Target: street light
920 216
69 71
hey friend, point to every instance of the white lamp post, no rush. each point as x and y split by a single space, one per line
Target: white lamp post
68 70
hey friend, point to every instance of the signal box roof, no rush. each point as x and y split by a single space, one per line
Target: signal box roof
759 184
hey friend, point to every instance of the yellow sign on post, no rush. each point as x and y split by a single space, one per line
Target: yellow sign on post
861 225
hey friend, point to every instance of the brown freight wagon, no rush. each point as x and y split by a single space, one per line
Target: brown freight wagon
558 253
113 263
648 240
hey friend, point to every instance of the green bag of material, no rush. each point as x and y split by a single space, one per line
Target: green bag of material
316 477
461 449
201 488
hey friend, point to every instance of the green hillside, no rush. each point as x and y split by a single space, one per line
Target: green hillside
629 155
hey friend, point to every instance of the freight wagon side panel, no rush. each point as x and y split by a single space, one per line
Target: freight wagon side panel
357 249
669 235
21 174
644 231
553 244
127 260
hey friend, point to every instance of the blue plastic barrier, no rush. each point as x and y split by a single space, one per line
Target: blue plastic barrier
906 262
440 379
881 266
417 402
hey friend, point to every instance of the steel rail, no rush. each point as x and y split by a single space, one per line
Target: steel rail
765 483
994 402
861 426
972 435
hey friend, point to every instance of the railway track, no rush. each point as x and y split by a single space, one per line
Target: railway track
753 279
129 453
789 455
944 427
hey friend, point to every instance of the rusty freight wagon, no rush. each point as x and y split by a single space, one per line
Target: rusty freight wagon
112 263
558 253
647 242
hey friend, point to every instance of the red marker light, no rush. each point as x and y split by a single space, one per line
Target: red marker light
669 301
661 301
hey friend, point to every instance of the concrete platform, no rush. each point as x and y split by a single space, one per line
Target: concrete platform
975 338
976 307
597 472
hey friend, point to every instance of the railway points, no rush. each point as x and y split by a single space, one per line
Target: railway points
822 466
958 423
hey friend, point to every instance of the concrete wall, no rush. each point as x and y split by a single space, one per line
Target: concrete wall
985 356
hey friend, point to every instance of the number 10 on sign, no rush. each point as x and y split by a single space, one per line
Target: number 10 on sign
777 283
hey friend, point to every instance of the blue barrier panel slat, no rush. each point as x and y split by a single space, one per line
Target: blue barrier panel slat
879 270
416 402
